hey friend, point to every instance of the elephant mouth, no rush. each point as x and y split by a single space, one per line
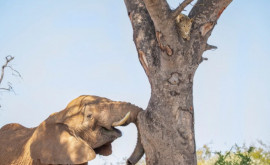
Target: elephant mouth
117 131
113 131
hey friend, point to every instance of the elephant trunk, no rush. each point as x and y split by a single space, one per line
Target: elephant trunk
132 111
126 113
138 151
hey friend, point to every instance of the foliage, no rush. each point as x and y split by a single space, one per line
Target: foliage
237 155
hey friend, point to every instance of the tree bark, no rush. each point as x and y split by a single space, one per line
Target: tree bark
170 62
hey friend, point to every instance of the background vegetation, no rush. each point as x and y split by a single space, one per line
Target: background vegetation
258 154
237 155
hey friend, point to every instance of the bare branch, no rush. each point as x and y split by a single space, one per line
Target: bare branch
14 73
6 89
8 59
180 8
205 59
210 47
10 88
208 11
17 73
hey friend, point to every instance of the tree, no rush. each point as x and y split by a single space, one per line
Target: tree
170 47
14 72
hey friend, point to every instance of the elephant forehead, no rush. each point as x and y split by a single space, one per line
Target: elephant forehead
101 107
86 99
75 102
91 103
95 99
110 104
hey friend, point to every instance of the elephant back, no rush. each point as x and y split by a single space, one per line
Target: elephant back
13 138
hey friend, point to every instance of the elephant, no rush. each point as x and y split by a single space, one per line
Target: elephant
75 135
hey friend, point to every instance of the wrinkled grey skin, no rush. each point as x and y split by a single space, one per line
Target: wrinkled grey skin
72 136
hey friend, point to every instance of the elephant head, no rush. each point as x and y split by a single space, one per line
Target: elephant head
86 127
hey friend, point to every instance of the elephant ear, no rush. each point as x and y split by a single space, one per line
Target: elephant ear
53 144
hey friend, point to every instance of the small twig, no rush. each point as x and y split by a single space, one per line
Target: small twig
205 59
210 47
14 70
6 89
180 8
10 88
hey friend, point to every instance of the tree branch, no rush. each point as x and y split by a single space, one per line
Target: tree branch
8 59
205 14
180 8
7 89
14 73
6 65
210 47
143 34
17 73
208 11
159 11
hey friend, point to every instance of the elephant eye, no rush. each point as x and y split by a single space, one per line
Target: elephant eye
89 116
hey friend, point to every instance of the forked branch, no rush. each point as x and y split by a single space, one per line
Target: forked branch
14 72
9 88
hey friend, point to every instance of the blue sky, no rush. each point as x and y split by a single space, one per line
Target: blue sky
67 48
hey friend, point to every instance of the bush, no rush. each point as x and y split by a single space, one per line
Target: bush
235 156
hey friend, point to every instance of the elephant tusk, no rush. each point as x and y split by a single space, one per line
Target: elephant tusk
122 121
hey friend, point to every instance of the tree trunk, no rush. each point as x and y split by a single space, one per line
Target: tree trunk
170 58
